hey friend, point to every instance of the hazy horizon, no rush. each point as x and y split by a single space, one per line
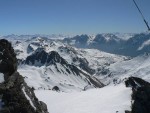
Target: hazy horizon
70 34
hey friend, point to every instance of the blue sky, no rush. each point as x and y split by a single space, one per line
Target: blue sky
71 16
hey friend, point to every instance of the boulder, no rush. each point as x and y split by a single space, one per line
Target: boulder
56 88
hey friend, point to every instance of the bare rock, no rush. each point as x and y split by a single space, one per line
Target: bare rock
17 96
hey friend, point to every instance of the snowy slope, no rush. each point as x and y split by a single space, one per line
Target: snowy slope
99 59
20 48
48 77
109 99
137 67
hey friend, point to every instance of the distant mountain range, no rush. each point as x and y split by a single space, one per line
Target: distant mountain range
133 45
127 44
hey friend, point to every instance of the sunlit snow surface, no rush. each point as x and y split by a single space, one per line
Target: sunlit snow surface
48 77
138 67
103 100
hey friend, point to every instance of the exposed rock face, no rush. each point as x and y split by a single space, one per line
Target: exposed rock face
42 58
29 49
140 95
17 97
8 61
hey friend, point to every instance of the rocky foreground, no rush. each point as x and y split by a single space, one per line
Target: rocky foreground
16 96
140 95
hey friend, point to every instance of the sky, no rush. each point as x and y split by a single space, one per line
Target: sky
72 16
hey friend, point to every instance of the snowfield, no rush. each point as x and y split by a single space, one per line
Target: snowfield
137 67
48 77
109 99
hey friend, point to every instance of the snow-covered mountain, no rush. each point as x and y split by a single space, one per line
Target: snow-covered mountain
127 44
53 71
77 66
58 64
46 55
115 43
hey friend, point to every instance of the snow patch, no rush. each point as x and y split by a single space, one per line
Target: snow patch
146 43
23 89
1 77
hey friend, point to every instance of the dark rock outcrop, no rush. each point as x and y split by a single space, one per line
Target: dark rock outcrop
8 61
30 49
140 95
40 57
56 88
17 97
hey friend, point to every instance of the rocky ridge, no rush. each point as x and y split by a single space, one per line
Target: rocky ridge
140 95
16 96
